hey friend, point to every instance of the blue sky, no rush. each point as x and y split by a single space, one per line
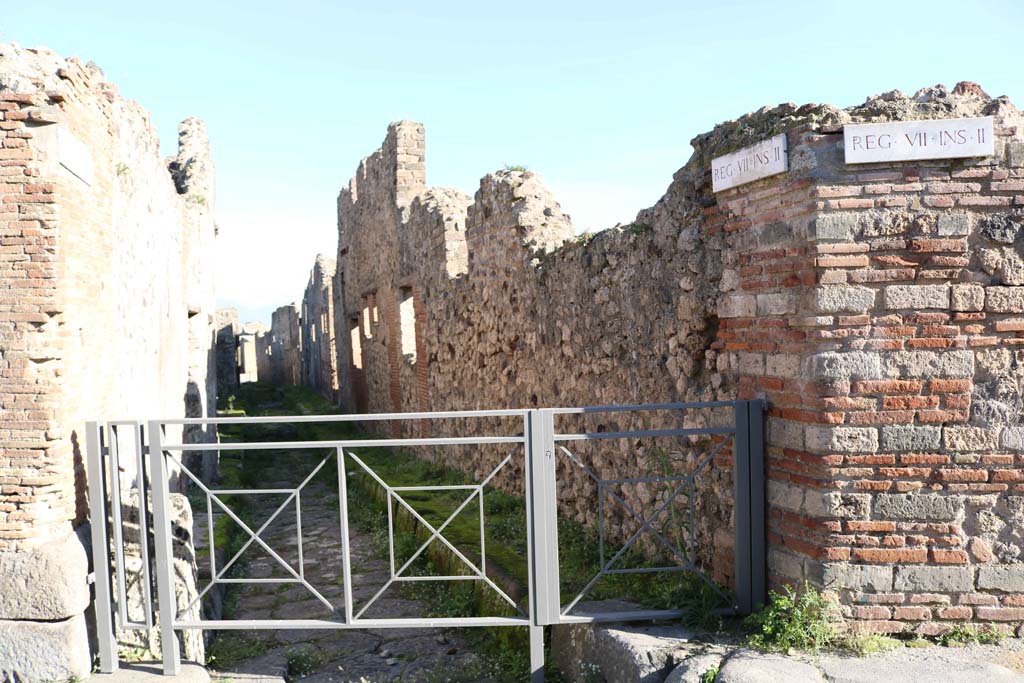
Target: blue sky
601 98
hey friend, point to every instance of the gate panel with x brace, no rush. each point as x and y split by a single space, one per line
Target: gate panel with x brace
544 453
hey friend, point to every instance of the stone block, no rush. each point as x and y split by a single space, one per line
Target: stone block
776 304
857 577
843 299
934 579
785 496
37 651
615 652
962 438
836 226
907 438
901 297
967 297
918 506
952 224
785 433
1012 438
1008 578
45 583
1015 153
840 505
738 306
782 365
845 365
1004 299
829 439
927 364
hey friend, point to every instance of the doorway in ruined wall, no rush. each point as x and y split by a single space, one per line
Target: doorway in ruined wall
411 320
359 389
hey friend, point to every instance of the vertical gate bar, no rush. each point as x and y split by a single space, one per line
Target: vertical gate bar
100 550
391 533
147 586
535 540
117 532
483 542
298 532
758 509
741 506
346 559
536 654
164 551
544 520
531 559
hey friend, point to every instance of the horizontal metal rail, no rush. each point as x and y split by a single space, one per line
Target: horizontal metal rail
364 417
594 436
347 443
405 622
444 415
641 408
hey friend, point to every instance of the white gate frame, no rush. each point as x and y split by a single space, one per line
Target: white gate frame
542 446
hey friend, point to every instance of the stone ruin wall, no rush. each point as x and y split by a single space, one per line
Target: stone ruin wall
877 308
107 293
280 348
299 347
319 354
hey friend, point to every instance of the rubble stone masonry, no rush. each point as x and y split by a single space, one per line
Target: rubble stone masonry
106 312
879 309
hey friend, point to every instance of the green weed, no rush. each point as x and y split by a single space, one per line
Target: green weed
793 620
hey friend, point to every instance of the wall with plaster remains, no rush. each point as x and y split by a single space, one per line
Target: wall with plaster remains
877 308
107 297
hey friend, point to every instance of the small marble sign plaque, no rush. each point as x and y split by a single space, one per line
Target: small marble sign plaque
764 159
910 140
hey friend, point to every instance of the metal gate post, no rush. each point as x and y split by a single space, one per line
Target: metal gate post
100 549
542 540
164 550
758 508
751 560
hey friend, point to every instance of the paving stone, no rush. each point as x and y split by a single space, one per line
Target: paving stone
692 669
755 667
893 670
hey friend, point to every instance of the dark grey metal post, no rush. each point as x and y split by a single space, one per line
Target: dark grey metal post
741 507
758 508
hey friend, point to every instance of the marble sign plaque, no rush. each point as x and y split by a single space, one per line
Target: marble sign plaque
868 143
764 159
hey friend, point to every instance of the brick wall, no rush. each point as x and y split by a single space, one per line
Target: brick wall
107 301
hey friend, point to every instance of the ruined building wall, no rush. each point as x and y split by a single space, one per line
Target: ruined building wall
248 351
876 309
280 349
227 329
107 296
318 351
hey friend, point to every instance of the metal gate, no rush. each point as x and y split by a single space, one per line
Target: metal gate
538 448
